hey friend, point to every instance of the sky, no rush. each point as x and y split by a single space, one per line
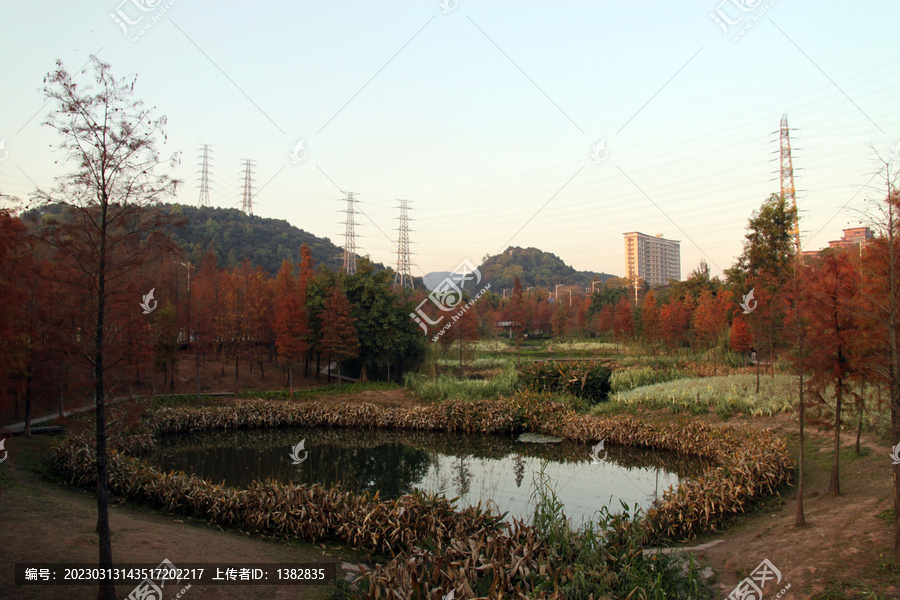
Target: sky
558 125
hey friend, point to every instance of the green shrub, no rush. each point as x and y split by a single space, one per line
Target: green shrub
584 379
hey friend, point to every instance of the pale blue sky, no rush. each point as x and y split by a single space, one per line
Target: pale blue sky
484 117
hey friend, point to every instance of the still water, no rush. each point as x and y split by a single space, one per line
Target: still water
495 470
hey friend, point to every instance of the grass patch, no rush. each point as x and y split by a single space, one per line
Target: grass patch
604 559
629 379
447 387
325 390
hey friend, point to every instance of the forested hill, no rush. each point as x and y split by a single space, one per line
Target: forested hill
235 236
535 268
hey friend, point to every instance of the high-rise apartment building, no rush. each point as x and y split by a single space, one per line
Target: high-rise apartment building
654 259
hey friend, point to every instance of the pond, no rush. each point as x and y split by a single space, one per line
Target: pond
495 470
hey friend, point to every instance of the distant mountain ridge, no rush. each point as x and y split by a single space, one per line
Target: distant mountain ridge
235 236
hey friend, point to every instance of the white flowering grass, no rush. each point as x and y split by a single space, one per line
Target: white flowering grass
725 394
579 346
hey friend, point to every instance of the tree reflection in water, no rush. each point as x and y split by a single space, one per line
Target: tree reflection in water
479 468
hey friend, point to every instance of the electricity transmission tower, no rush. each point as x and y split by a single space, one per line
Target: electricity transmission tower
247 205
403 276
204 176
787 179
350 235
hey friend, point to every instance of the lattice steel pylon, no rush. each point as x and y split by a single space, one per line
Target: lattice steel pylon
247 201
403 276
788 192
350 235
204 176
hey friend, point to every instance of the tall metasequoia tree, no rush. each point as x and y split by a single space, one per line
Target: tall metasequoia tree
650 320
796 326
291 326
828 302
709 318
518 320
339 340
741 338
110 139
15 340
623 322
675 322
880 304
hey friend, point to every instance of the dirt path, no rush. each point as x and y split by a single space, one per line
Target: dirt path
47 522
844 549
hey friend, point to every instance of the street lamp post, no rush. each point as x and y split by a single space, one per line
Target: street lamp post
556 291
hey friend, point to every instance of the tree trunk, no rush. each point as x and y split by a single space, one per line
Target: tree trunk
237 367
197 375
28 378
318 368
772 358
800 517
757 371
862 408
834 486
107 589
291 378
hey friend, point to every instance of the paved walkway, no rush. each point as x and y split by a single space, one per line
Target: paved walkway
20 427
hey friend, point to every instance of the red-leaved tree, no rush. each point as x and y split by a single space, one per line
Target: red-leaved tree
339 339
291 325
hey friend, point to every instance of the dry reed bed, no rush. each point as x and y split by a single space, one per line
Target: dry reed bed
435 547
